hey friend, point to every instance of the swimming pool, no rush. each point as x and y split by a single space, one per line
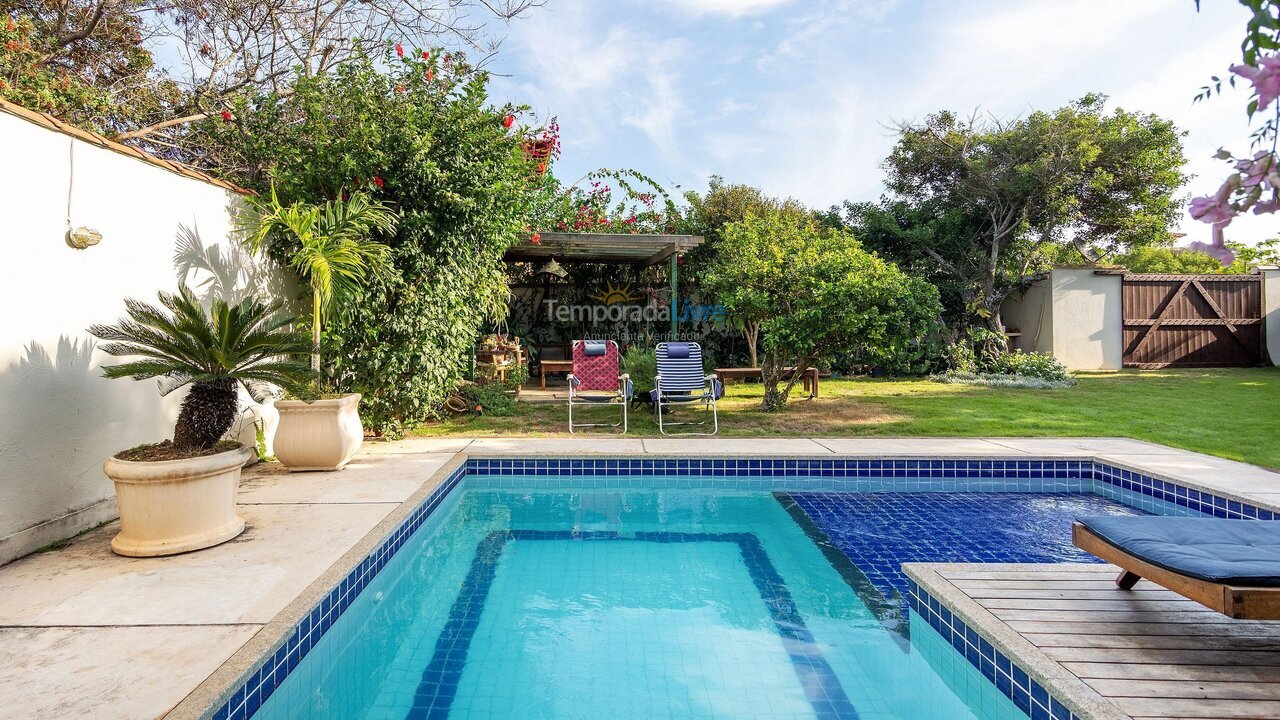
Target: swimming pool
583 589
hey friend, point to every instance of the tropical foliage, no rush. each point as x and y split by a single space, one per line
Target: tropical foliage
250 344
816 293
328 245
419 136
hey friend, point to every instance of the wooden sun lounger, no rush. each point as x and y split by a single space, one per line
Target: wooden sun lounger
1243 603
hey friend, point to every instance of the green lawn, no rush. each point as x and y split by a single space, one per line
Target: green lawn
1231 413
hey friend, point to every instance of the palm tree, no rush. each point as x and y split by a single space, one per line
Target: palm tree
332 253
250 343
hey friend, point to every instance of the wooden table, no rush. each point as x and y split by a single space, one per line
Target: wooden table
810 376
502 359
554 366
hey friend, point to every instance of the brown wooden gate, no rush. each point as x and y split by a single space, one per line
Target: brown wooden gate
1192 321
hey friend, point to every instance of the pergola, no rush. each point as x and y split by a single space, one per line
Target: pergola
641 251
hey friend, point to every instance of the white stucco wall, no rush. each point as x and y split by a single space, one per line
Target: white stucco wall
1088 319
1076 315
1271 310
1032 314
59 420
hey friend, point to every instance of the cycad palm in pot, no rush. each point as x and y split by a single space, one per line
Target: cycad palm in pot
180 495
328 245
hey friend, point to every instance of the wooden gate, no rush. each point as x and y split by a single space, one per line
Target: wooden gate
1192 321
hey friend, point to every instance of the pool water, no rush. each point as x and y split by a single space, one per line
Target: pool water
676 604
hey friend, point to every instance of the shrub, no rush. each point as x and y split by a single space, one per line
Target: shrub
489 399
1036 365
641 364
421 136
1007 381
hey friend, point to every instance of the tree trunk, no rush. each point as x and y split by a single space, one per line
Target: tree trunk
771 377
751 331
208 412
315 333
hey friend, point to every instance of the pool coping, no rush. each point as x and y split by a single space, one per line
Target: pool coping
218 687
1084 702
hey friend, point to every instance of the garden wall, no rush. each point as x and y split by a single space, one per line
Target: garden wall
1078 316
1075 315
59 420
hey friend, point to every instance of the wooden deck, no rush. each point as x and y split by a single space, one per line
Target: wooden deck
1148 651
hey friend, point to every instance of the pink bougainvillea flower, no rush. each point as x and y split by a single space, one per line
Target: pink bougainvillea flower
1210 210
508 121
1265 78
378 181
226 114
1255 170
399 50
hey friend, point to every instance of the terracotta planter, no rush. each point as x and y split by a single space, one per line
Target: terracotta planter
323 435
176 506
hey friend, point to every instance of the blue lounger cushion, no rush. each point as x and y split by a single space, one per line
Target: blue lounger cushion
1244 553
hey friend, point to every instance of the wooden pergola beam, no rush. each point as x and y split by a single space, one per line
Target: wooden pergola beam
659 256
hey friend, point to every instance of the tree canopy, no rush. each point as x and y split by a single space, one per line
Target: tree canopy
985 204
815 293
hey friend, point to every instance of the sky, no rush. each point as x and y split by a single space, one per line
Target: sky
799 96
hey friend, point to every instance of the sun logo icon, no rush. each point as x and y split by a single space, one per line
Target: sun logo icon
613 295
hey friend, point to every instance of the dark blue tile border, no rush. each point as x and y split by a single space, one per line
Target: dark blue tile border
1009 678
910 470
439 684
258 685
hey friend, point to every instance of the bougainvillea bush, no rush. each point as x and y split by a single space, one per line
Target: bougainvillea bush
417 131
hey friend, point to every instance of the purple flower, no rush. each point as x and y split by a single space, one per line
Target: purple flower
1212 210
1265 78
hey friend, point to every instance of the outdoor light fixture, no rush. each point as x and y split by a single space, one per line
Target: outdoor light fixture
83 237
551 267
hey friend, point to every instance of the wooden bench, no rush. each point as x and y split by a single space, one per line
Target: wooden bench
810 378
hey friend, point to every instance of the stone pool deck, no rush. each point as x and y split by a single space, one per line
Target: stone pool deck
86 633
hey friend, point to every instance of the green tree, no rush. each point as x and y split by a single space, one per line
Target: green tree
1007 194
83 61
249 343
1167 260
419 135
709 214
327 244
816 293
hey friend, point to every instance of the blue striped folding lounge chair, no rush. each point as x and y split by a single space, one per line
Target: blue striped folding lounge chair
681 381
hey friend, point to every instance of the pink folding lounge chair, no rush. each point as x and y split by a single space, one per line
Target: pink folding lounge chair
595 380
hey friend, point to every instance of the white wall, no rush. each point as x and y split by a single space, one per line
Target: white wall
59 420
1075 315
1032 315
1271 310
1088 319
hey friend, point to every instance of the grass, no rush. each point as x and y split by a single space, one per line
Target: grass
1232 413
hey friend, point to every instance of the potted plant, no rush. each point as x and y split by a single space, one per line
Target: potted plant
328 246
180 494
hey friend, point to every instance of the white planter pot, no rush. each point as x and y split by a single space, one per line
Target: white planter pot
175 506
323 435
